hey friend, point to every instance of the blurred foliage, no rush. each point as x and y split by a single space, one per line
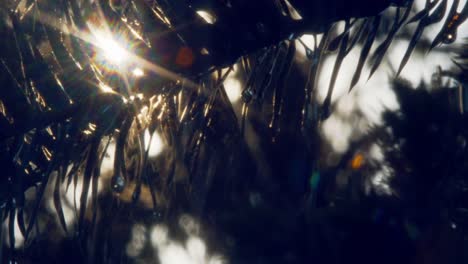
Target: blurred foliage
257 180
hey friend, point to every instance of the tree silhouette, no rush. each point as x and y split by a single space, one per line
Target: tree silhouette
84 80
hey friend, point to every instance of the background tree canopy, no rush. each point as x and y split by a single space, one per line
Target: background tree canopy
233 131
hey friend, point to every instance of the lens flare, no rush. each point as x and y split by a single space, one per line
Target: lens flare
112 51
110 48
138 72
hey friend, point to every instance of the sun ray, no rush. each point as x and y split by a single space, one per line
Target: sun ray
100 43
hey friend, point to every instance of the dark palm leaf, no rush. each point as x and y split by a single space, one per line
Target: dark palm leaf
60 108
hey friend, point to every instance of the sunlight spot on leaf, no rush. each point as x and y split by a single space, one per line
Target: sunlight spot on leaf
19 239
233 89
207 16
155 144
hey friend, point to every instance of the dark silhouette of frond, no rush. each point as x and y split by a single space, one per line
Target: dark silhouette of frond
62 111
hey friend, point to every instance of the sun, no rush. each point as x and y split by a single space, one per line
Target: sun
111 50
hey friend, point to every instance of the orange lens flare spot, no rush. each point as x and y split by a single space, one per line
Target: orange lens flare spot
357 162
185 57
